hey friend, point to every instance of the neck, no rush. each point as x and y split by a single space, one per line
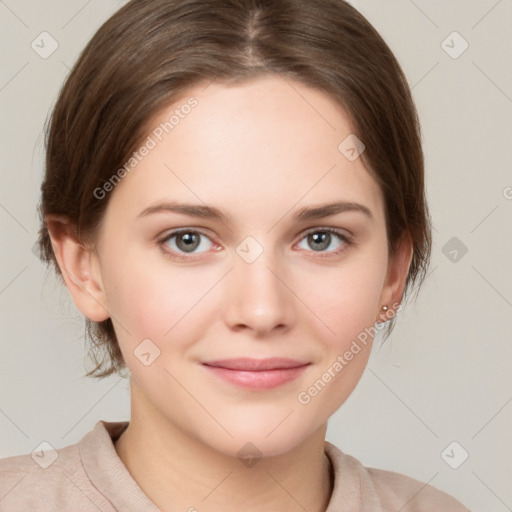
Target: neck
179 472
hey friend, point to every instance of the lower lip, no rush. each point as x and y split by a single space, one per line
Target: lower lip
263 379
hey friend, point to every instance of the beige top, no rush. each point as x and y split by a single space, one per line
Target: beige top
89 476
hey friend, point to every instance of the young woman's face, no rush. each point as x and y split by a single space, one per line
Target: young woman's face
211 251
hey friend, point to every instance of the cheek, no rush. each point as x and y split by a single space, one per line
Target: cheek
155 300
141 299
347 299
348 305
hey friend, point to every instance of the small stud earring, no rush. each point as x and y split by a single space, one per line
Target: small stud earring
384 308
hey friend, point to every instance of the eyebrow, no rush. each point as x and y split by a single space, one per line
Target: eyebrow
193 210
210 212
330 209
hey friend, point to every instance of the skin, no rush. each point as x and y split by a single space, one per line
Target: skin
259 151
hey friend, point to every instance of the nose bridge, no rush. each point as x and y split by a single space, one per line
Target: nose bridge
257 298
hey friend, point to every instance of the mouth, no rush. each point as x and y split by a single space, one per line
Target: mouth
257 373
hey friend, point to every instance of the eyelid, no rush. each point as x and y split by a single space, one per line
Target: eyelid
314 229
177 231
337 231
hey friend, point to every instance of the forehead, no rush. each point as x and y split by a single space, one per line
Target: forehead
257 147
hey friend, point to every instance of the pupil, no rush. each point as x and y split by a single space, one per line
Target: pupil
187 241
322 240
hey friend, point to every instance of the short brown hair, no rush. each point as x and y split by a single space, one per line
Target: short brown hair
151 51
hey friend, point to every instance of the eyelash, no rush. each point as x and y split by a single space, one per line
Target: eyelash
346 239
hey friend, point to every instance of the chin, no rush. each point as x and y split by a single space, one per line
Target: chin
265 436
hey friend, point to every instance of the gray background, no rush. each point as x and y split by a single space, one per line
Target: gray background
443 376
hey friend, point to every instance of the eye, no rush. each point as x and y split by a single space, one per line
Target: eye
325 240
182 242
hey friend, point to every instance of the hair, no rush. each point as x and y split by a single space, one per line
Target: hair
150 52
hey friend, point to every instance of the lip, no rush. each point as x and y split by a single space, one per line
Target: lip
257 373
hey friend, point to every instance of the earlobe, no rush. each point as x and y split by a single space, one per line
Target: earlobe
398 269
76 263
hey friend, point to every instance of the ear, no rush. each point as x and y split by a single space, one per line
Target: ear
394 284
79 267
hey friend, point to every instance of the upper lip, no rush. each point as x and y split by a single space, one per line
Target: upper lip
248 364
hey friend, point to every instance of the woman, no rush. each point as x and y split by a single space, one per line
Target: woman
234 197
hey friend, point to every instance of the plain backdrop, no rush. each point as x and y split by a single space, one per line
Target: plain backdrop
443 376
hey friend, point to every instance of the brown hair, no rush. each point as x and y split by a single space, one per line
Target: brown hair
151 51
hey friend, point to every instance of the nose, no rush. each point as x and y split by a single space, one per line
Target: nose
258 299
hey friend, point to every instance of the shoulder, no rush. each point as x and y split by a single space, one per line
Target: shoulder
382 490
413 495
48 479
27 479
